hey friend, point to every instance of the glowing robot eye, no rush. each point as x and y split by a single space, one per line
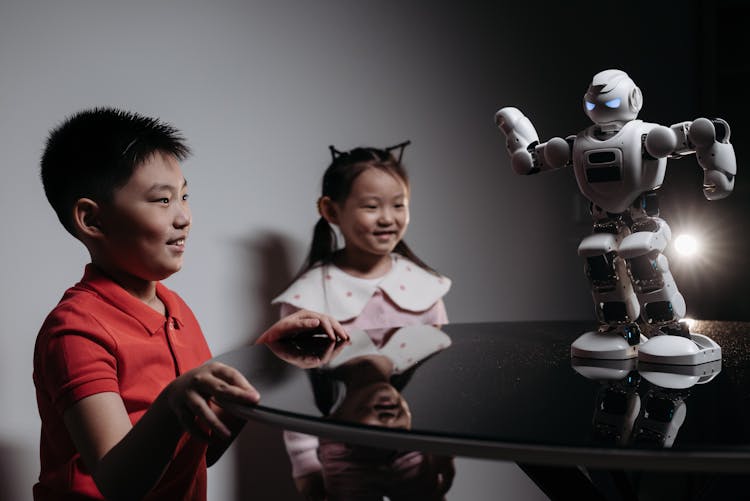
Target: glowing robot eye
615 103
590 106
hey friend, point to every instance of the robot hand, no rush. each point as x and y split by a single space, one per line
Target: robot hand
520 134
527 156
715 155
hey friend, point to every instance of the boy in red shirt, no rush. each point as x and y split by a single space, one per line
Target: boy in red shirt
119 363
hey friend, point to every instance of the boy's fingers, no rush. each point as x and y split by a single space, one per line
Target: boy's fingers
203 412
188 421
240 395
231 376
227 382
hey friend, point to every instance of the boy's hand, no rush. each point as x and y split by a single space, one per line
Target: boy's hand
189 396
302 321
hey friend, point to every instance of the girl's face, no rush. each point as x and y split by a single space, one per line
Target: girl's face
375 215
377 404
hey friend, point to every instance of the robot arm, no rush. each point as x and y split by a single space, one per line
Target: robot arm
527 155
709 140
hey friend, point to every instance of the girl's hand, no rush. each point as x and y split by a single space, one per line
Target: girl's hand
306 352
190 395
304 321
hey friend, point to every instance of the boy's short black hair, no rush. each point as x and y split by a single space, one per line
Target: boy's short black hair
95 151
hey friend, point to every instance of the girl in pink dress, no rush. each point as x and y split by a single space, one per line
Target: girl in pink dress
373 281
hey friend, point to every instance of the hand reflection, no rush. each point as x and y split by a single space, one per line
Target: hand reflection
307 351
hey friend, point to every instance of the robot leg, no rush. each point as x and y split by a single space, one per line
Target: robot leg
663 410
616 304
662 414
617 402
662 305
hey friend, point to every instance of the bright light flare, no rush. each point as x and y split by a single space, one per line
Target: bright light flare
689 321
686 245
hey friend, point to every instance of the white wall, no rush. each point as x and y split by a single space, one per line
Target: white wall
261 88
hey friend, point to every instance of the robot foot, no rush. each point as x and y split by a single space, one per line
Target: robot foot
614 343
679 348
603 369
679 377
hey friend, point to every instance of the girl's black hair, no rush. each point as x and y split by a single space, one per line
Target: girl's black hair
337 184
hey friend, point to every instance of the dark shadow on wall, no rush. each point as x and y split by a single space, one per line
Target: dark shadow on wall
268 271
13 460
263 470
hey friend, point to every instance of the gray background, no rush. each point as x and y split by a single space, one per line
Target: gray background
260 89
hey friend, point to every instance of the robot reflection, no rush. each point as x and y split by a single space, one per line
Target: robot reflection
619 163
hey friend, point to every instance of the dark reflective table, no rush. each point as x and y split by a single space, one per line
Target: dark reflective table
511 391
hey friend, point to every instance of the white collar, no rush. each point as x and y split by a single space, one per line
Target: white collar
328 289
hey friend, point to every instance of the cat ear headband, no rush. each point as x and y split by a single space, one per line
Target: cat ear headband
336 154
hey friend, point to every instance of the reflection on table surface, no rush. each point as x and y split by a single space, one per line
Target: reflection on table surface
508 391
641 404
360 382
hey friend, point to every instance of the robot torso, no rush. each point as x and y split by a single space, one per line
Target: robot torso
613 172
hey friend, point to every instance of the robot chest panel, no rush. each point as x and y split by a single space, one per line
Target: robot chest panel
613 172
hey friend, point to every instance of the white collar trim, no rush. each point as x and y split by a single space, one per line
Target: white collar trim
344 296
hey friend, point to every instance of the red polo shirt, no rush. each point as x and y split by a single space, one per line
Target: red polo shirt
99 339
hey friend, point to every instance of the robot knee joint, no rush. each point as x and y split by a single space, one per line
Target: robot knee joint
616 312
659 312
602 271
646 273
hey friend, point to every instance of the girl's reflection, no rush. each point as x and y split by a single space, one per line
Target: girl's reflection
361 382
370 398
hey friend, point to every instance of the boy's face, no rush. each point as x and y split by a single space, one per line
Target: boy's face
146 224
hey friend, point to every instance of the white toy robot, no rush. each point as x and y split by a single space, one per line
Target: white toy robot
619 162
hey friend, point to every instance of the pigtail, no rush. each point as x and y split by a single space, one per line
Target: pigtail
404 250
324 244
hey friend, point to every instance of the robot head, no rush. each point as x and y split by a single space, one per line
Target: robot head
612 97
